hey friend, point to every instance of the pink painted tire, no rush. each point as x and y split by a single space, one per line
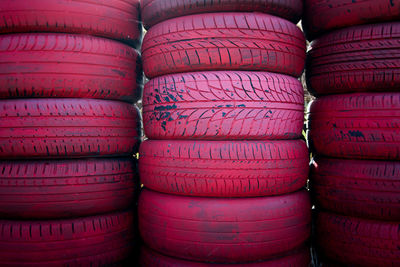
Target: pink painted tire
213 229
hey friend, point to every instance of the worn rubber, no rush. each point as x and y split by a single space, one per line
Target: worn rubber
59 128
67 65
321 16
156 11
224 41
358 242
224 230
358 188
357 59
115 19
89 241
223 105
356 126
224 168
65 188
298 258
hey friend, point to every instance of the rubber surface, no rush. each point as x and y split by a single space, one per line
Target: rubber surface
359 188
359 242
156 11
321 16
331 264
59 128
357 59
66 65
224 230
90 241
150 258
358 126
224 41
223 105
115 19
224 168
65 188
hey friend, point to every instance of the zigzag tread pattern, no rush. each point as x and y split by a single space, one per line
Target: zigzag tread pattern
220 105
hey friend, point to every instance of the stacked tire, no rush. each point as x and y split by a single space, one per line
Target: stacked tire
354 70
224 168
68 129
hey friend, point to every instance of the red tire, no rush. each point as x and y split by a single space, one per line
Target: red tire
325 15
359 126
60 189
156 11
327 263
359 188
223 105
60 128
299 258
91 241
115 19
358 242
224 230
224 41
63 65
356 59
224 168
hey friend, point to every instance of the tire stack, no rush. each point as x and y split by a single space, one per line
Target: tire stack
224 168
68 77
354 129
